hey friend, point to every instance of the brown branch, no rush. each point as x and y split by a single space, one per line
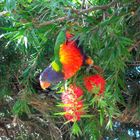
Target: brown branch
83 3
53 21
134 46
103 7
79 12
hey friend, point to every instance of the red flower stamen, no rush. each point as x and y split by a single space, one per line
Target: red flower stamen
95 82
73 104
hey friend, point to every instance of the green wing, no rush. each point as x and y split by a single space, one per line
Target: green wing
61 38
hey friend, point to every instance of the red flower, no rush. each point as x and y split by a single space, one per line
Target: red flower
73 105
95 83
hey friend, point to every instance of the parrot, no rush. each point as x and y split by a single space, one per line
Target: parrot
68 59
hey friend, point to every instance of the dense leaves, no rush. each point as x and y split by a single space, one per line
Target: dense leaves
28 32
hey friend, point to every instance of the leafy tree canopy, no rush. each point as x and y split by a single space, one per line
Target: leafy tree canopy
108 31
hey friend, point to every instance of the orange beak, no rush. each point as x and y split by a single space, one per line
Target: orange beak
44 85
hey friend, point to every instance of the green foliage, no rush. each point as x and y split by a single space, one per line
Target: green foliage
76 130
27 47
91 131
21 106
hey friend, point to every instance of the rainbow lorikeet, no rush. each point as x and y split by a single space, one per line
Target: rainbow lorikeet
68 59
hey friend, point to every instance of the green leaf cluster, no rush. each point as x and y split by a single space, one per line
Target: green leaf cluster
27 47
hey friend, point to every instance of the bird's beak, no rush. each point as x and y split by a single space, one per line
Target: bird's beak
44 84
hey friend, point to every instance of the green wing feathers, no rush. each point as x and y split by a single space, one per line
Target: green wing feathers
61 39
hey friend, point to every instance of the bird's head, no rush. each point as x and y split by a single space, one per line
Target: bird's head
50 76
44 83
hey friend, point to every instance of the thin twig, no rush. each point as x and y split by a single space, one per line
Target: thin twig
79 12
53 21
134 46
103 7
82 7
83 3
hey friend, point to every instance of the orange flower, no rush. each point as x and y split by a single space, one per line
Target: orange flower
95 83
73 105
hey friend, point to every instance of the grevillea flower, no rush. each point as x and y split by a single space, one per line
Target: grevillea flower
73 104
95 83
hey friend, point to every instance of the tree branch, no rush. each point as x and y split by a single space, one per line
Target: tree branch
134 46
79 12
103 7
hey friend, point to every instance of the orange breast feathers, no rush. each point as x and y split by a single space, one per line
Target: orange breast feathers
71 58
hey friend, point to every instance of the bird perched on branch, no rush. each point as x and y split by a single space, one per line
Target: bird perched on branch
68 59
